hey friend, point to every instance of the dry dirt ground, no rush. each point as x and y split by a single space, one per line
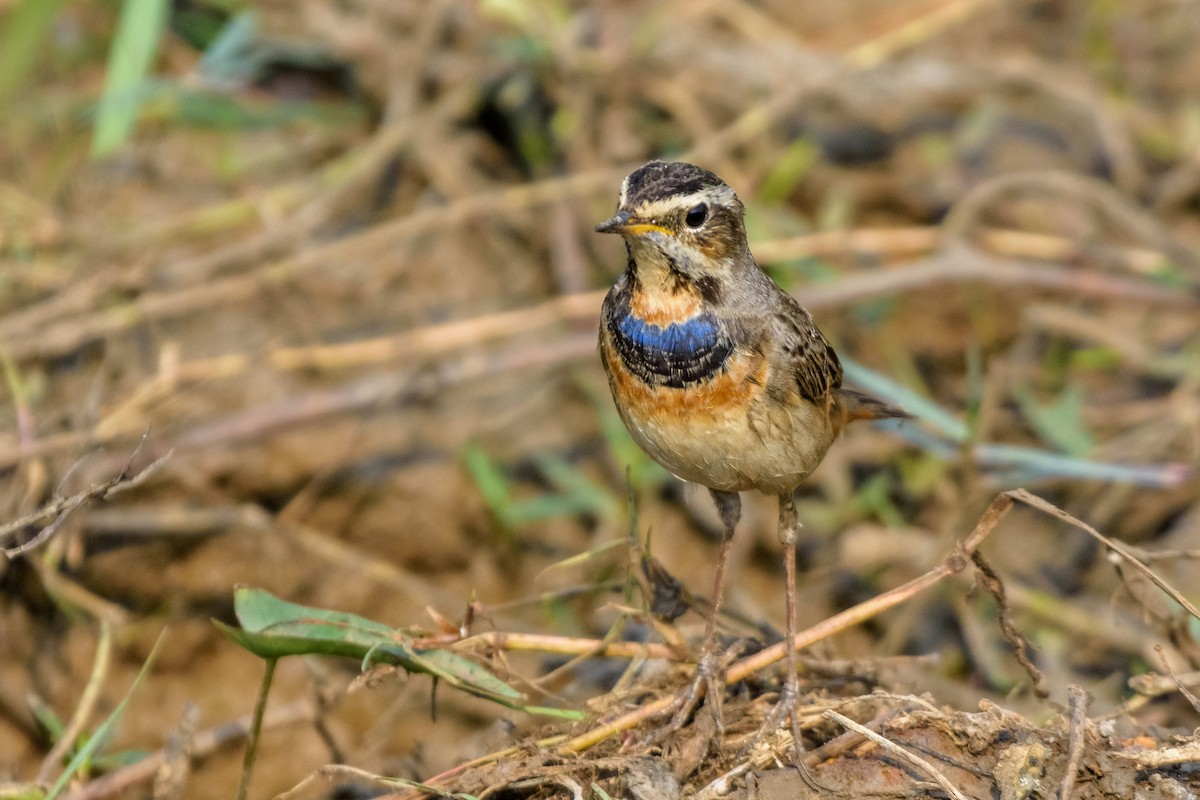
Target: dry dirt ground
352 290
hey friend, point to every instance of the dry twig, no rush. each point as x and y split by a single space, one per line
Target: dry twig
1078 704
899 751
61 508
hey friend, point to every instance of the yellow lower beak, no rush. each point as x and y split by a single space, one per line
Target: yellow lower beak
623 224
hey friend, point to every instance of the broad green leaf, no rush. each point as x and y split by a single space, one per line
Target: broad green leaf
272 628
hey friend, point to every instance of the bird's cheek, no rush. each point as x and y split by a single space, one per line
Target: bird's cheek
715 250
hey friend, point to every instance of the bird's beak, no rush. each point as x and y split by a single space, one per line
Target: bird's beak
624 223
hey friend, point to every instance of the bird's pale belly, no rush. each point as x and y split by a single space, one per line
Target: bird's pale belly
724 433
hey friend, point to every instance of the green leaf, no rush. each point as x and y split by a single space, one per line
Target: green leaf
272 628
1060 422
231 56
135 43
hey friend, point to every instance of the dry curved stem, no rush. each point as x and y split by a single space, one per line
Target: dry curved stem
565 781
898 751
567 645
69 594
954 563
958 263
1119 551
432 340
995 587
924 239
968 211
1175 680
913 32
61 508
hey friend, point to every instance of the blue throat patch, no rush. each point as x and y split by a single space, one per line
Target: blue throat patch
679 340
678 355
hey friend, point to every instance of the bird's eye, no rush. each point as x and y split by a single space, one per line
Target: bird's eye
696 216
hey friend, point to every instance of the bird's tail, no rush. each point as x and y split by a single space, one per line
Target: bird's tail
851 406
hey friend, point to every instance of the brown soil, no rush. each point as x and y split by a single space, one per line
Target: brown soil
323 320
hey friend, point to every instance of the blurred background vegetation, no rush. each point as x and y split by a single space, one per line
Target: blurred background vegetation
337 259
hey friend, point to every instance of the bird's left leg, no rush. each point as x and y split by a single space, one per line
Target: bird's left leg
789 529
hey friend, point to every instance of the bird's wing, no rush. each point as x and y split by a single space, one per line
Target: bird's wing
803 354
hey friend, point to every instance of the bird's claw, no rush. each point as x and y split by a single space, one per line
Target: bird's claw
785 704
708 684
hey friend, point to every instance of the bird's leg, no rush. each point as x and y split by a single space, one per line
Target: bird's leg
708 669
729 504
789 527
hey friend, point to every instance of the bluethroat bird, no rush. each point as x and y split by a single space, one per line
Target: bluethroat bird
719 375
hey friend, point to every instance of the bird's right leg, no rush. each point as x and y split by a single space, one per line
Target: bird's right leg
708 669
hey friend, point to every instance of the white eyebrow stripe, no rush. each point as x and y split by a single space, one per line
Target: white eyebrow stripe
718 194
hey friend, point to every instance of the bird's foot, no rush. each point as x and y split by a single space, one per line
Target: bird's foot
708 685
785 705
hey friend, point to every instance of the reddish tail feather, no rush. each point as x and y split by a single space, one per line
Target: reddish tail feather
851 406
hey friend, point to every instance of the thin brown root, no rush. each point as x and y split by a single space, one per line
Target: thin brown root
991 581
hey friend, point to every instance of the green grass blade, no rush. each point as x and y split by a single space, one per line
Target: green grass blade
1060 422
589 494
491 483
139 32
1027 464
925 410
20 43
103 733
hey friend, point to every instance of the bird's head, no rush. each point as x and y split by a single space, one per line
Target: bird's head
681 223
